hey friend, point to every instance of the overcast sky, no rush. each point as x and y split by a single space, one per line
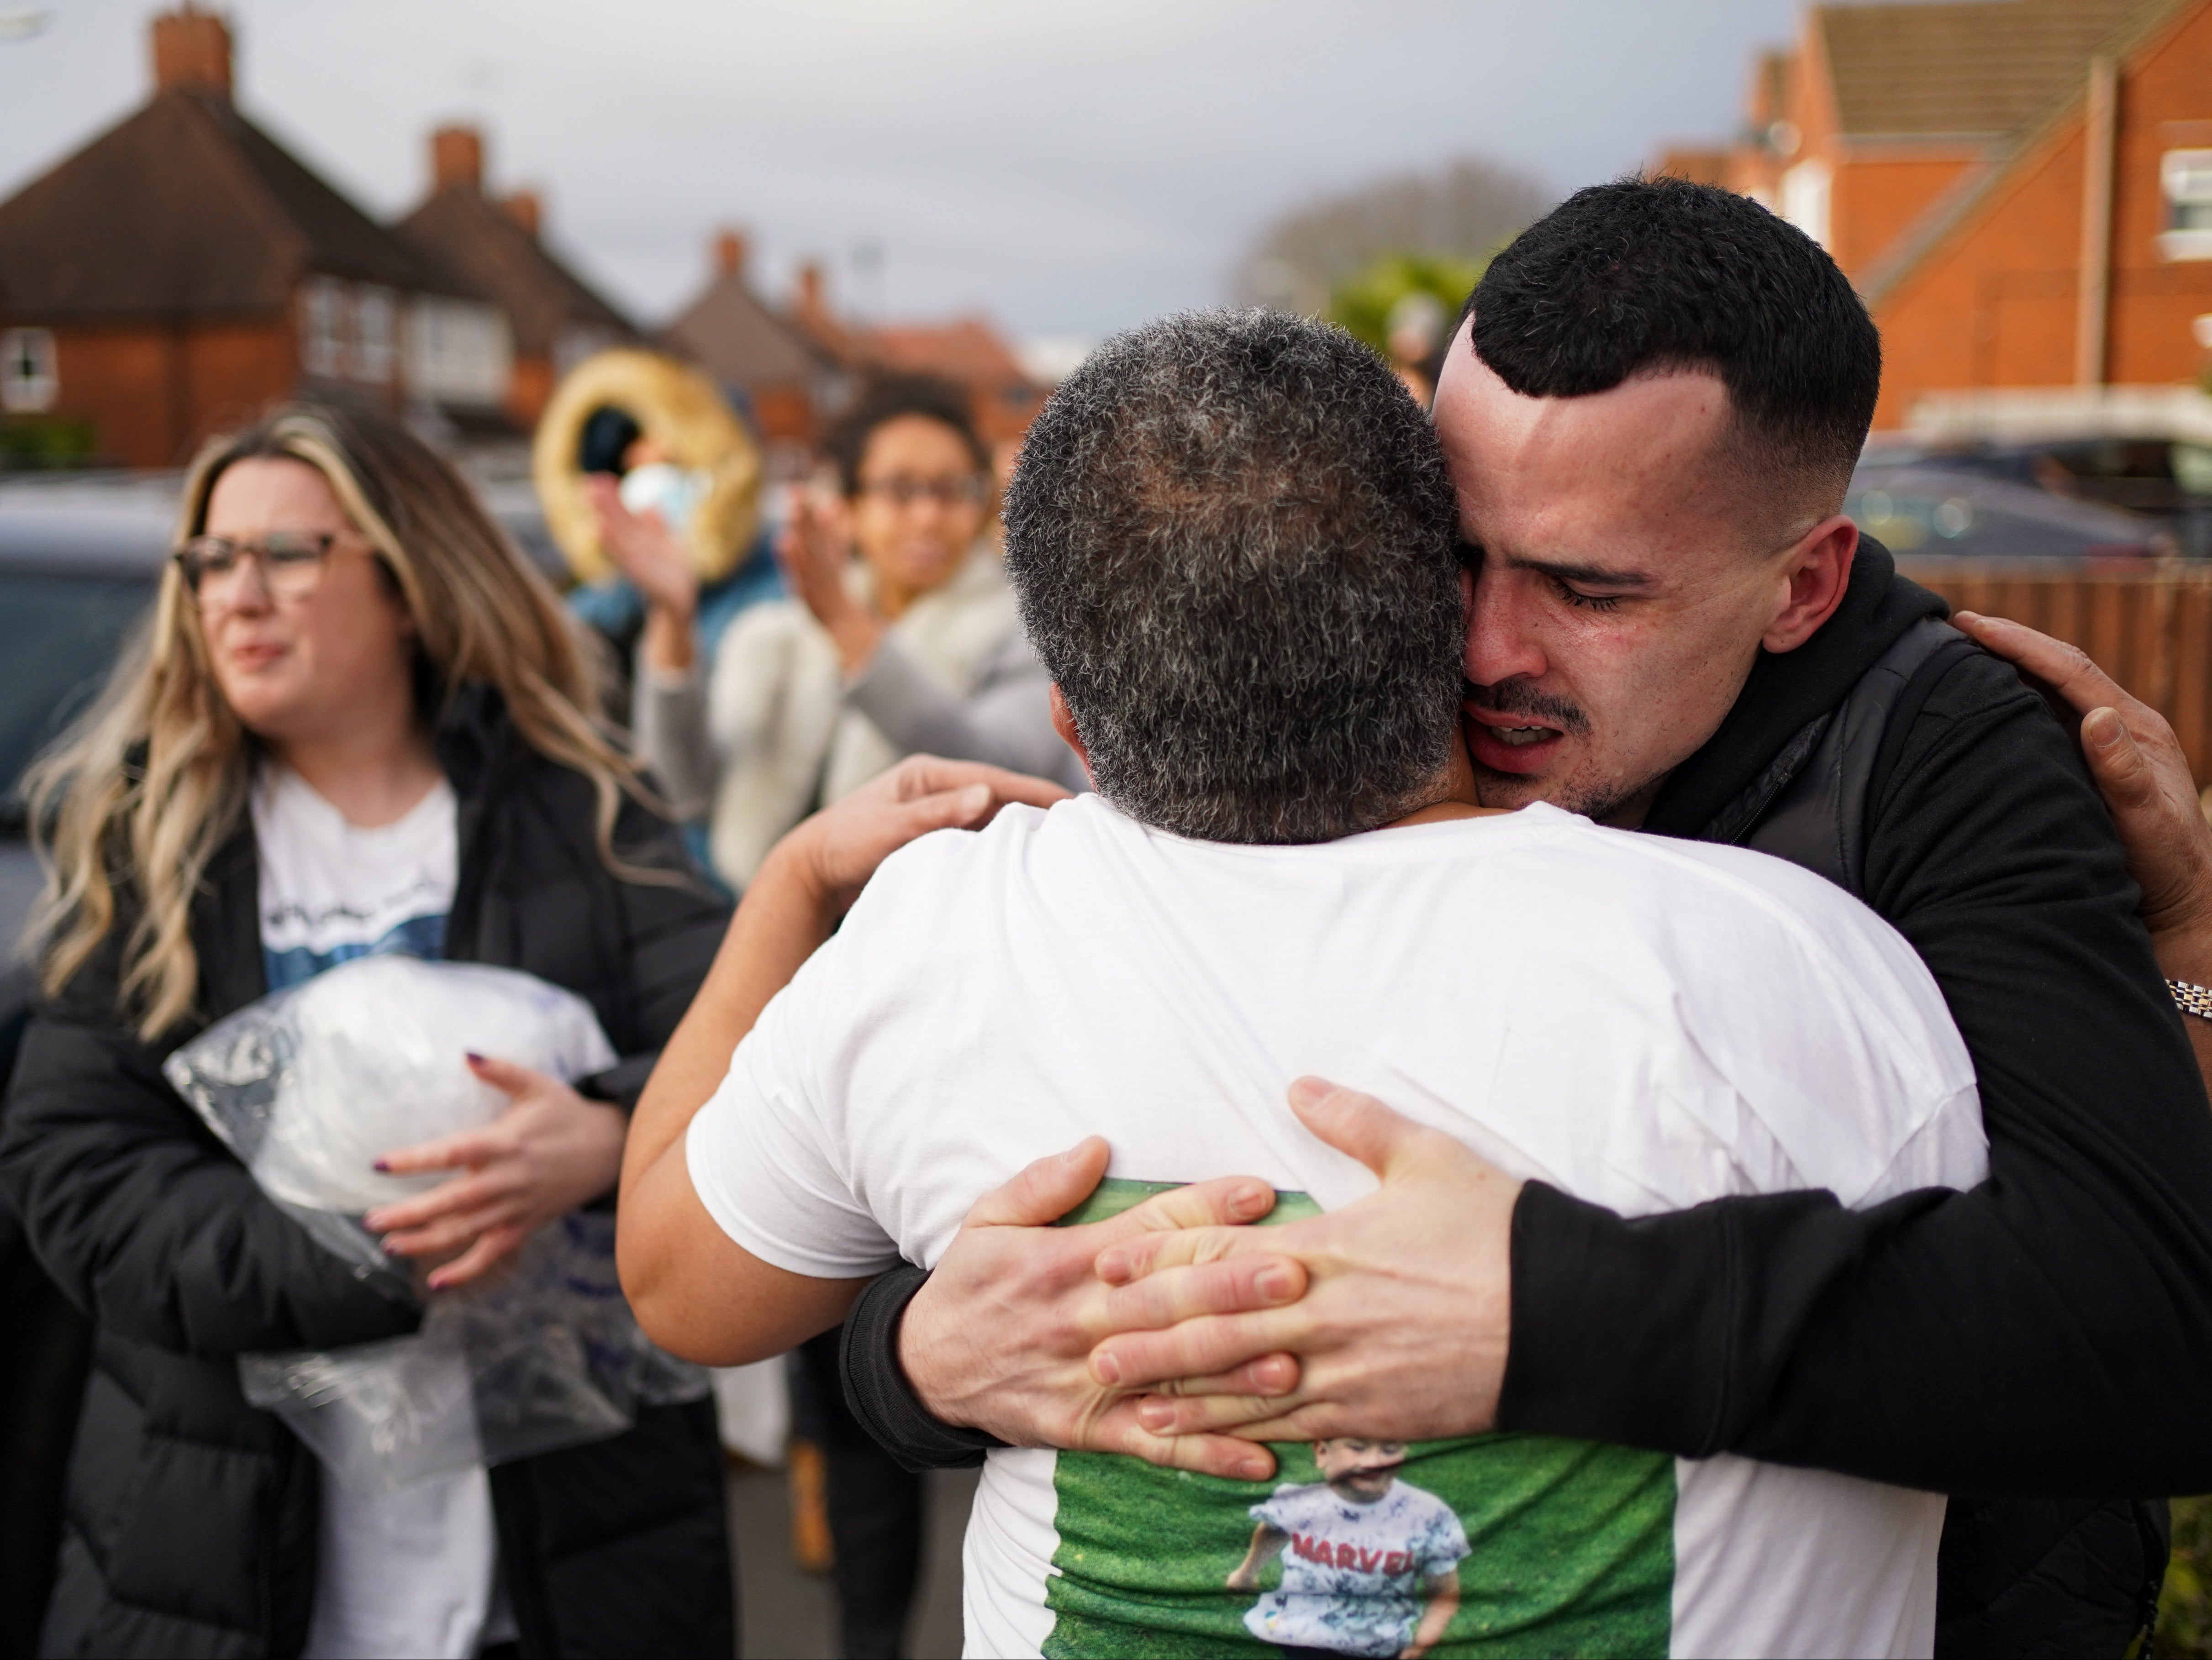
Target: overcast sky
1067 166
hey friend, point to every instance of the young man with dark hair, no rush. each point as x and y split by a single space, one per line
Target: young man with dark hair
1649 422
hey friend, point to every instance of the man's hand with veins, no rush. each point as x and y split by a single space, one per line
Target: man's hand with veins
1183 1343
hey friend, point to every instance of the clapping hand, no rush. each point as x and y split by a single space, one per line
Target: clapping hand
648 552
814 549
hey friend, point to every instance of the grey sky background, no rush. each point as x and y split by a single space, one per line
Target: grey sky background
1068 166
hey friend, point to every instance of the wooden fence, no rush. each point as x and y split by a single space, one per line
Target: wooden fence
2149 626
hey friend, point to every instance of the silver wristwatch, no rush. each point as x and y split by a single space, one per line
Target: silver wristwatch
2191 999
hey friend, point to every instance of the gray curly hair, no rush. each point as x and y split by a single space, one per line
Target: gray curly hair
1236 552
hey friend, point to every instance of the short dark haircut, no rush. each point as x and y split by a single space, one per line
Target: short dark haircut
1237 553
1646 275
892 397
608 432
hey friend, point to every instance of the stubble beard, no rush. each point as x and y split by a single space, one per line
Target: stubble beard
1596 801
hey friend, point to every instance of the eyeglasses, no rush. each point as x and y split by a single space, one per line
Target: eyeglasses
290 563
900 491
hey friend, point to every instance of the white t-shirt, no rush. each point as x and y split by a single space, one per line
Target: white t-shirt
1642 1022
413 1572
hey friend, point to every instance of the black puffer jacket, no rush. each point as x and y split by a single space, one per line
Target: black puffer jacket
192 1517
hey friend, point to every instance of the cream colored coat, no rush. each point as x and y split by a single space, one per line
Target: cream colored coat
776 728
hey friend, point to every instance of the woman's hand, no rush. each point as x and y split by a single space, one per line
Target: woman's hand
813 548
550 1151
834 852
646 551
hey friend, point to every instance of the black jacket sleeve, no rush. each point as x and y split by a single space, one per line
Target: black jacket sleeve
2048 1333
145 1221
669 934
876 1391
662 940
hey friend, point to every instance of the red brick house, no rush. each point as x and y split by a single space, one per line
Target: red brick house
968 352
789 380
2021 189
182 271
498 248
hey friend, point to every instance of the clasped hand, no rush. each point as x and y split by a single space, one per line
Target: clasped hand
1176 1333
549 1151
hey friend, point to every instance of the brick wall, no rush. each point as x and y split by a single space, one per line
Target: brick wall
152 391
1877 194
786 414
529 388
235 371
2155 300
1997 304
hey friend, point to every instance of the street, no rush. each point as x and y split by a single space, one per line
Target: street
786 1612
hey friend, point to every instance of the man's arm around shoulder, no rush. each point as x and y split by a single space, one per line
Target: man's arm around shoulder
2050 1331
696 1291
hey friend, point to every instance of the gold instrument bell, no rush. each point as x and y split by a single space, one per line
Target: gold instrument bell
703 468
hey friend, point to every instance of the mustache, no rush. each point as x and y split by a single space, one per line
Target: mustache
1518 697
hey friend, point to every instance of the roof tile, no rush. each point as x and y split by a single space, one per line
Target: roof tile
187 207
1980 67
463 232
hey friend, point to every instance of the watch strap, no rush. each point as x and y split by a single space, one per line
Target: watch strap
2191 999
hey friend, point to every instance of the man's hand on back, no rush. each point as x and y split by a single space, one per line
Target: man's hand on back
999 1337
1402 1333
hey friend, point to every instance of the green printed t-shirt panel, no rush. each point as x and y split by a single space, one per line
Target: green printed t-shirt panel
1569 1545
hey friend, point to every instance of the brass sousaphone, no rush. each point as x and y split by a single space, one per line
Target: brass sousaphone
679 410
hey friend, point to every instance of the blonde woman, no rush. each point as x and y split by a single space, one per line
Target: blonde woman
357 722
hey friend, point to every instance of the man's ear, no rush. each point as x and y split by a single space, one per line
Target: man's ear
1063 722
1819 571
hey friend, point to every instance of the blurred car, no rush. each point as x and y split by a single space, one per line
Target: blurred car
1921 507
78 562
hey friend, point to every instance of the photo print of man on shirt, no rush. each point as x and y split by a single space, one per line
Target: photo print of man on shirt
1370 1562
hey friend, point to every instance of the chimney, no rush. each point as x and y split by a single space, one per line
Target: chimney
525 209
456 158
191 50
730 254
810 289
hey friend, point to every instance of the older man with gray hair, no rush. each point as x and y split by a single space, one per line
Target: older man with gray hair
1237 551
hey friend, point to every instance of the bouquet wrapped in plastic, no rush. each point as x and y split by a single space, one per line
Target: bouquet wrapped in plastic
309 1086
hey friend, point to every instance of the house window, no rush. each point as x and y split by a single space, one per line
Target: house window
323 329
376 334
457 351
1805 191
28 384
2186 181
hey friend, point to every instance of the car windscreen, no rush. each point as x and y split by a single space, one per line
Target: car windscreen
59 633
